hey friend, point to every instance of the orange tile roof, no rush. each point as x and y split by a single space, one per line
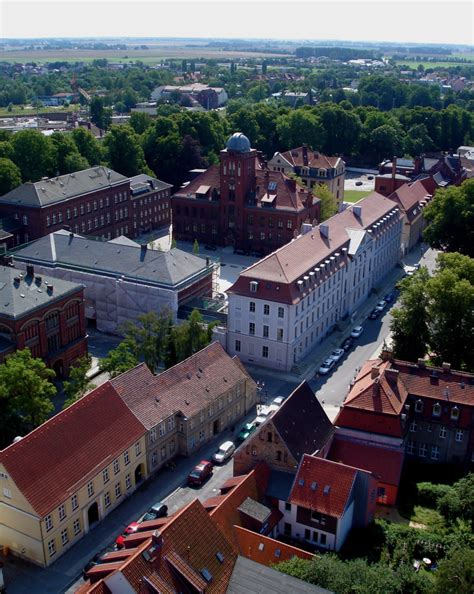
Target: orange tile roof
56 459
409 196
266 550
188 386
323 486
314 158
384 463
295 259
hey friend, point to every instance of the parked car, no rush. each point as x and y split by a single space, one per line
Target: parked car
347 343
389 297
326 366
279 400
158 510
224 452
130 529
374 314
357 331
358 183
381 305
337 355
96 560
200 473
264 412
245 432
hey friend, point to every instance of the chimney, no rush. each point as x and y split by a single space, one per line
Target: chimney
50 289
357 210
324 230
394 167
421 363
305 154
446 367
374 372
30 271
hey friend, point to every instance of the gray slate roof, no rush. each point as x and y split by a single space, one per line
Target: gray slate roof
20 298
58 189
302 423
143 184
133 263
255 510
249 577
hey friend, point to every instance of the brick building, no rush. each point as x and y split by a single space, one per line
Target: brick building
242 203
95 201
43 314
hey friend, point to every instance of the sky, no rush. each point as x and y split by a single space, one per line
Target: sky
420 21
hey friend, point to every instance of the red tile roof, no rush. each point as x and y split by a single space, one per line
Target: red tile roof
280 269
323 486
409 197
265 550
56 459
189 386
314 158
385 464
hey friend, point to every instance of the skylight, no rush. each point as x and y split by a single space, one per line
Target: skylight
206 574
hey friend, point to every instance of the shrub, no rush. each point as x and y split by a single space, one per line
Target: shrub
429 494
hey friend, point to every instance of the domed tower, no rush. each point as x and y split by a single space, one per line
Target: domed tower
237 184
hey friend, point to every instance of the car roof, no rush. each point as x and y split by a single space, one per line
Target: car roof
225 445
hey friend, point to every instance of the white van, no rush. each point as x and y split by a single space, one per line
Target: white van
224 452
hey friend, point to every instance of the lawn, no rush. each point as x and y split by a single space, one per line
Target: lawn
428 517
30 112
354 195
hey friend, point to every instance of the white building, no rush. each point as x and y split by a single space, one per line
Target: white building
283 305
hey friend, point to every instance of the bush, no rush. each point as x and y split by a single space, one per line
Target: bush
429 494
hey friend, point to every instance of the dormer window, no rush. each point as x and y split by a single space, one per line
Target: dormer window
437 410
455 413
419 406
253 286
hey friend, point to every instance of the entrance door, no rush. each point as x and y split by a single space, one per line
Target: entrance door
139 474
215 427
93 514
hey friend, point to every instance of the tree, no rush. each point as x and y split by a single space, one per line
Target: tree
10 176
101 116
409 327
458 502
456 573
88 146
328 202
67 157
33 154
140 121
26 392
79 384
299 127
124 151
450 219
120 359
385 141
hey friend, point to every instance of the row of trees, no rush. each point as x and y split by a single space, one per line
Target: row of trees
158 341
436 313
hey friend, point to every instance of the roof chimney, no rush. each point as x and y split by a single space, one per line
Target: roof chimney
394 167
421 363
305 154
357 210
324 230
446 367
374 372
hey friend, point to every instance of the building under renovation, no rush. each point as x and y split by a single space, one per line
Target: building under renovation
122 279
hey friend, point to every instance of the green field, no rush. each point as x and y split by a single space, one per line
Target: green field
413 64
354 195
32 112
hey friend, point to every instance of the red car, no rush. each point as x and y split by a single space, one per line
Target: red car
200 473
130 529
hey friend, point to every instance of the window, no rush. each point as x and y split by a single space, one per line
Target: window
25 219
442 432
459 435
253 286
411 447
153 435
90 489
48 522
64 536
163 452
322 539
76 527
279 334
128 481
436 410
266 330
281 312
251 328
105 476
118 491
266 309
107 499
455 413
287 506
319 518
413 426
422 450
60 217
435 452
126 457
418 406
252 306
265 352
52 547
62 512
74 502
116 466
202 435
289 224
138 449
237 346
48 221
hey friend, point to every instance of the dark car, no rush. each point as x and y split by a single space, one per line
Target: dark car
200 473
374 314
92 563
389 297
158 510
347 344
245 432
